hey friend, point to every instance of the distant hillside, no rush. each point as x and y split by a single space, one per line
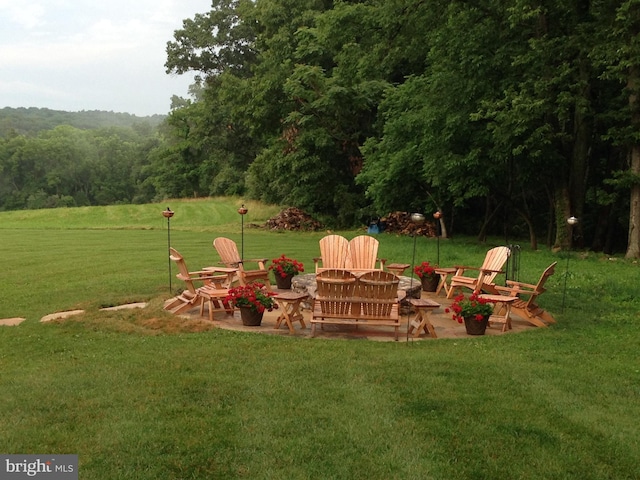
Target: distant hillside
27 121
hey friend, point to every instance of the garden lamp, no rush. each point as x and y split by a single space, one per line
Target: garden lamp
242 211
417 219
168 213
438 216
572 222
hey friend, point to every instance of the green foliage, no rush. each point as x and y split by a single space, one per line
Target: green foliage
30 121
67 166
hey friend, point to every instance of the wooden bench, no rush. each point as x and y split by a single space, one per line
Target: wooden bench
343 298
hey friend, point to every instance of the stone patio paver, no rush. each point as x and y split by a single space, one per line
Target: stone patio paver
126 306
58 315
11 322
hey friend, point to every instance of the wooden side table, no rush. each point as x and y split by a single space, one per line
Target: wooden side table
289 303
421 323
444 276
397 268
501 310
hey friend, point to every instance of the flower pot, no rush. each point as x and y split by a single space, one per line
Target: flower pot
430 283
284 283
250 318
475 327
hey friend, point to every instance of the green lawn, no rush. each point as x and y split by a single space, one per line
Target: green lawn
143 395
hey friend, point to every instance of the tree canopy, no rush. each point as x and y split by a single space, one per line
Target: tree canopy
509 117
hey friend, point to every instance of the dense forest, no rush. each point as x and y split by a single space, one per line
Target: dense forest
26 121
50 158
508 116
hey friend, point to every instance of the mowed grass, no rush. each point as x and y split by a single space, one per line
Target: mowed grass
145 395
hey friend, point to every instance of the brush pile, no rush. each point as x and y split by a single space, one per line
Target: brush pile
293 219
400 222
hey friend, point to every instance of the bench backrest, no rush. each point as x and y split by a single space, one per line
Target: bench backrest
372 294
335 290
378 293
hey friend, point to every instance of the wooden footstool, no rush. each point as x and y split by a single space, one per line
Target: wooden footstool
421 322
501 310
289 303
214 298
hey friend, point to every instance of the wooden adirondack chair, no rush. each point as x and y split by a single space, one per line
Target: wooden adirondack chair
363 254
484 281
229 256
333 253
212 292
525 306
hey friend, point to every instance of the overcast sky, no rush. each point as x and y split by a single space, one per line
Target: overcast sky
77 55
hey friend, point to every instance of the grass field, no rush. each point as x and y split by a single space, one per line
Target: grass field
143 395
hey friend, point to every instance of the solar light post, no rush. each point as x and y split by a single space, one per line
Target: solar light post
168 214
417 219
438 216
572 222
242 211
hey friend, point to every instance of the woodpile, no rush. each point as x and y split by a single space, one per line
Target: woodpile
400 222
293 219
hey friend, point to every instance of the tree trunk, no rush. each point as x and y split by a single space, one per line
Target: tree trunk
633 245
562 212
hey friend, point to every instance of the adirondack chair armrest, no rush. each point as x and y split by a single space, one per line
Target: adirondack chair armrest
235 265
201 274
462 268
254 260
520 285
514 289
507 291
488 270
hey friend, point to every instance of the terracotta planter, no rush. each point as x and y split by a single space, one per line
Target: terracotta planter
250 318
475 327
430 283
283 283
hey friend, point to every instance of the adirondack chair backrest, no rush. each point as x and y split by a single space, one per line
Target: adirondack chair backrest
228 251
183 271
229 256
362 253
378 291
494 260
333 251
335 289
540 289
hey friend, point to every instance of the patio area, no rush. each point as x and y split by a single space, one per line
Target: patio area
444 325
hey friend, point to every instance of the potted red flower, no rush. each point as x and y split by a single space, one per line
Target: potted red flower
473 311
252 300
428 276
284 269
